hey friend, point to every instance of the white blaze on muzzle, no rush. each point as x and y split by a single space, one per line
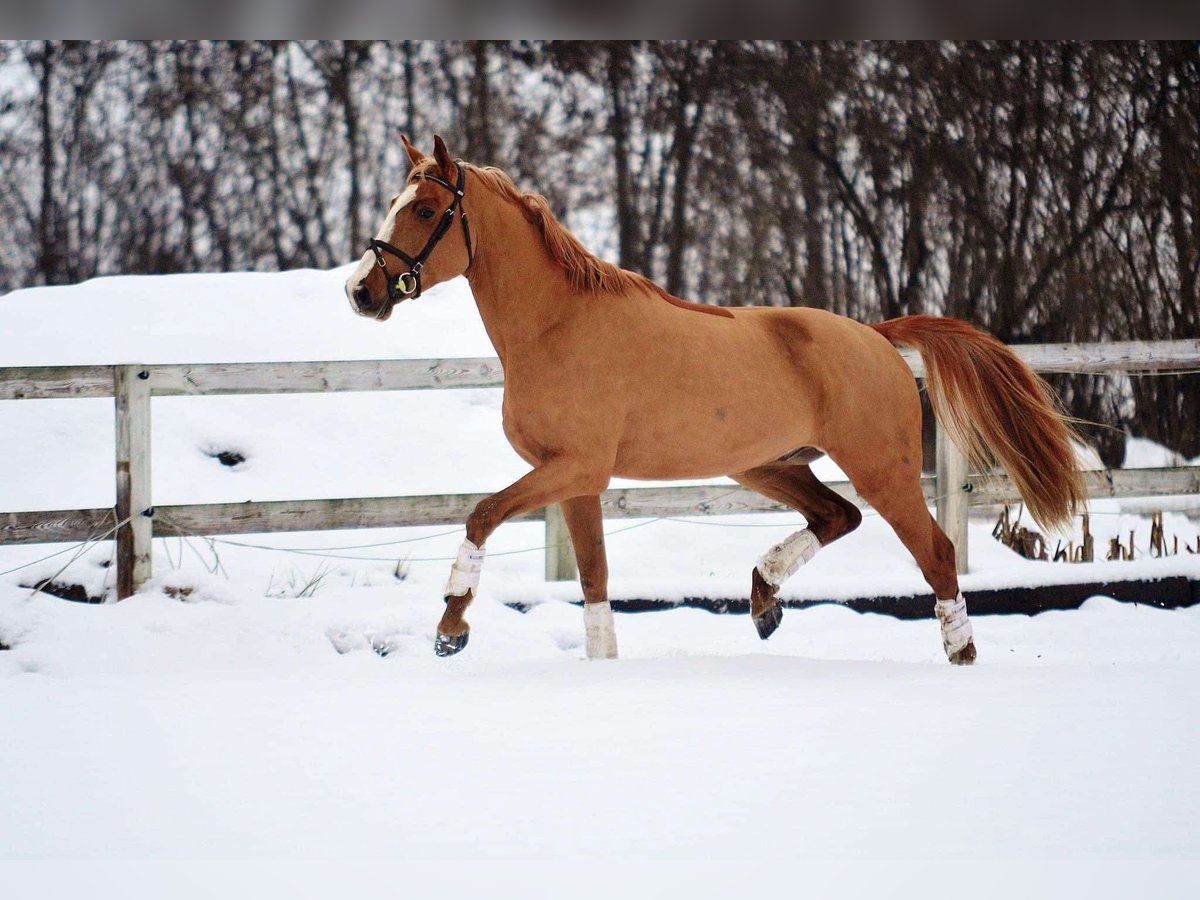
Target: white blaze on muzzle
782 560
367 262
464 574
956 626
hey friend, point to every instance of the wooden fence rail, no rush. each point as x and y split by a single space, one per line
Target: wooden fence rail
952 489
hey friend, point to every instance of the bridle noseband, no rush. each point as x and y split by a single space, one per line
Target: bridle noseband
408 284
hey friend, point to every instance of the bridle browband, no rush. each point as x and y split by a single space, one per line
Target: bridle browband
408 284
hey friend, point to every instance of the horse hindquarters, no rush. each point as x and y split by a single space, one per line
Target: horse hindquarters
989 402
873 432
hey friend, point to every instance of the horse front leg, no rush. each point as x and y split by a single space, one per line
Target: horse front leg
585 521
554 481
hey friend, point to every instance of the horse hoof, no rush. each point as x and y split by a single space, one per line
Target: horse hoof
449 644
769 620
965 656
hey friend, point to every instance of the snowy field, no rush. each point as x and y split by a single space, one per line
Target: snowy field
259 702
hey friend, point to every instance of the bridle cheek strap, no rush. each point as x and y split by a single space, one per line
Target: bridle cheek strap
408 284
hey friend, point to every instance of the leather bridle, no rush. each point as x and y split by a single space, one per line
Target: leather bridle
408 284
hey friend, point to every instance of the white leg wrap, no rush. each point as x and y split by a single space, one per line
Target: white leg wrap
464 574
782 560
601 634
956 627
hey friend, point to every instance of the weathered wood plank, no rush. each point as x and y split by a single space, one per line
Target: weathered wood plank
55 382
55 526
381 512
319 515
622 503
1118 483
690 500
131 386
1114 356
711 500
41 382
321 377
48 382
452 509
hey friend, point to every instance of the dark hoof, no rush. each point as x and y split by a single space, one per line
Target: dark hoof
965 656
448 645
769 621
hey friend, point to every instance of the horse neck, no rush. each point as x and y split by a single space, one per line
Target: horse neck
520 290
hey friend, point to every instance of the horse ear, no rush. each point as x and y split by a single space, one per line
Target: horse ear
414 155
442 155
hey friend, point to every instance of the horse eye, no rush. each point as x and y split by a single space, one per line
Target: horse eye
425 213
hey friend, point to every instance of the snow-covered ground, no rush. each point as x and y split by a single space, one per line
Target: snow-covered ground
256 702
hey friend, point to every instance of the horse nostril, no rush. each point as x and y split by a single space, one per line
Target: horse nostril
362 296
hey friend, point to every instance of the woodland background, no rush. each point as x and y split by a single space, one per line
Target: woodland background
1047 192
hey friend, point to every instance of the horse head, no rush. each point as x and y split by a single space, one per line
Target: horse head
416 247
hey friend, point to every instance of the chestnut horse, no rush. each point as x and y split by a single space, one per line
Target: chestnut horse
605 374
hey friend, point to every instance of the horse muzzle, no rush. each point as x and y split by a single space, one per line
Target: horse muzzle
362 303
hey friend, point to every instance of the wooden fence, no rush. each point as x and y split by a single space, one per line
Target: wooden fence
136 520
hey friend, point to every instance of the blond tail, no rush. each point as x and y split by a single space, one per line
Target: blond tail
992 405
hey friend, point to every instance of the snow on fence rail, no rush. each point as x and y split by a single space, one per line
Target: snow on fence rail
136 521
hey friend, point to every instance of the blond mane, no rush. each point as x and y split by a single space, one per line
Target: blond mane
586 272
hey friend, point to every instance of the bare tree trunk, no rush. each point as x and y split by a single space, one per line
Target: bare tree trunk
410 93
693 90
325 254
343 89
49 258
817 289
629 236
481 146
338 71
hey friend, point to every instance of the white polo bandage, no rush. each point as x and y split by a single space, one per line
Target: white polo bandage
464 574
599 631
782 560
956 626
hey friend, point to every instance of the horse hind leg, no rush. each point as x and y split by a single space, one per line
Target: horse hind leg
829 515
896 495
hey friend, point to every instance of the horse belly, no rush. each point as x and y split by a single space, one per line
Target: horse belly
702 434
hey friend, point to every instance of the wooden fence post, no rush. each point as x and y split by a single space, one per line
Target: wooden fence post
131 394
560 553
952 496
